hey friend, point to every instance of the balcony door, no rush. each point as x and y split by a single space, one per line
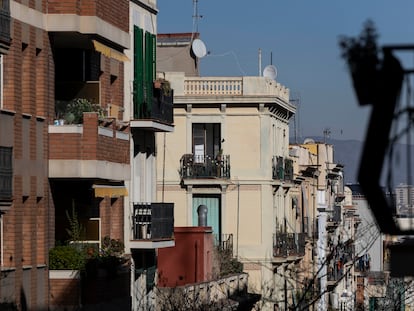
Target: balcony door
213 203
206 141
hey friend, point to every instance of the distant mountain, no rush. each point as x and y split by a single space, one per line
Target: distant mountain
348 153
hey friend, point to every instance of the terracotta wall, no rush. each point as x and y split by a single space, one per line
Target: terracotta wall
190 260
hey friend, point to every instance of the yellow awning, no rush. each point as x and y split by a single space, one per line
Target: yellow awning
102 191
109 52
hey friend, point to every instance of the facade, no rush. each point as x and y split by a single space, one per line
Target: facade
404 196
329 220
148 218
229 131
53 53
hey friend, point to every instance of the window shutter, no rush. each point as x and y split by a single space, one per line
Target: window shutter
138 87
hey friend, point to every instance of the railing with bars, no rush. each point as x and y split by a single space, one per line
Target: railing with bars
282 168
205 166
153 221
225 243
288 244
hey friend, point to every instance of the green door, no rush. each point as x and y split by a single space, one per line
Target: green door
213 212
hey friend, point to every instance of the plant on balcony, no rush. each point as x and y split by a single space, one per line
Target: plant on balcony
106 260
163 85
74 110
72 255
66 257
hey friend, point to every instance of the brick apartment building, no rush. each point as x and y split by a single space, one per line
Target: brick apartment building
53 51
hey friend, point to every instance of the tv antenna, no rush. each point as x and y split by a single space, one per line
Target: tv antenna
197 45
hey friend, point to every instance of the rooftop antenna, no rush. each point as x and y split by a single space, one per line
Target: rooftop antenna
326 134
196 16
197 45
260 62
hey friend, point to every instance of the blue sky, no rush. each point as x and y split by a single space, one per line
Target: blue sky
302 37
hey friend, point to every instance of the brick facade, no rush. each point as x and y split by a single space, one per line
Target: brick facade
89 145
113 12
28 108
28 96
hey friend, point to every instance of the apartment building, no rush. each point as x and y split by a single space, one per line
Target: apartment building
404 197
53 52
230 133
148 218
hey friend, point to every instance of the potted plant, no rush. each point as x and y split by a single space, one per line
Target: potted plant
75 109
106 261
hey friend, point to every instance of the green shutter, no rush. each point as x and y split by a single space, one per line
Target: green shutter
149 75
138 92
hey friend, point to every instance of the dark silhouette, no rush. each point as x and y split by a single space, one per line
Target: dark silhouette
377 82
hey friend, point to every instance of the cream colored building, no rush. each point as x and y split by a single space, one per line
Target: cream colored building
230 151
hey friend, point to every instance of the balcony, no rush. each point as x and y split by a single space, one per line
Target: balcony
5 38
155 114
340 255
204 167
334 218
152 225
288 246
94 149
282 169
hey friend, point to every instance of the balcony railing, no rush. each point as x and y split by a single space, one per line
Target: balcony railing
159 107
340 255
204 166
282 169
153 221
288 244
91 140
231 86
225 244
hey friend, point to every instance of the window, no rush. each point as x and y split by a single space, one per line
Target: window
213 204
144 71
6 174
1 81
206 141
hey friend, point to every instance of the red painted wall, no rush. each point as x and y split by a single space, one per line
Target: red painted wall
190 260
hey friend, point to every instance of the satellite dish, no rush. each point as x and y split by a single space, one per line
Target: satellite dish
199 48
270 72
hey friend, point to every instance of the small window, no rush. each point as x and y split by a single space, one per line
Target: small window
6 173
1 81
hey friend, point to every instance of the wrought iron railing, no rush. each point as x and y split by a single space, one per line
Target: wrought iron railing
153 221
282 168
277 168
225 243
159 107
205 166
288 244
